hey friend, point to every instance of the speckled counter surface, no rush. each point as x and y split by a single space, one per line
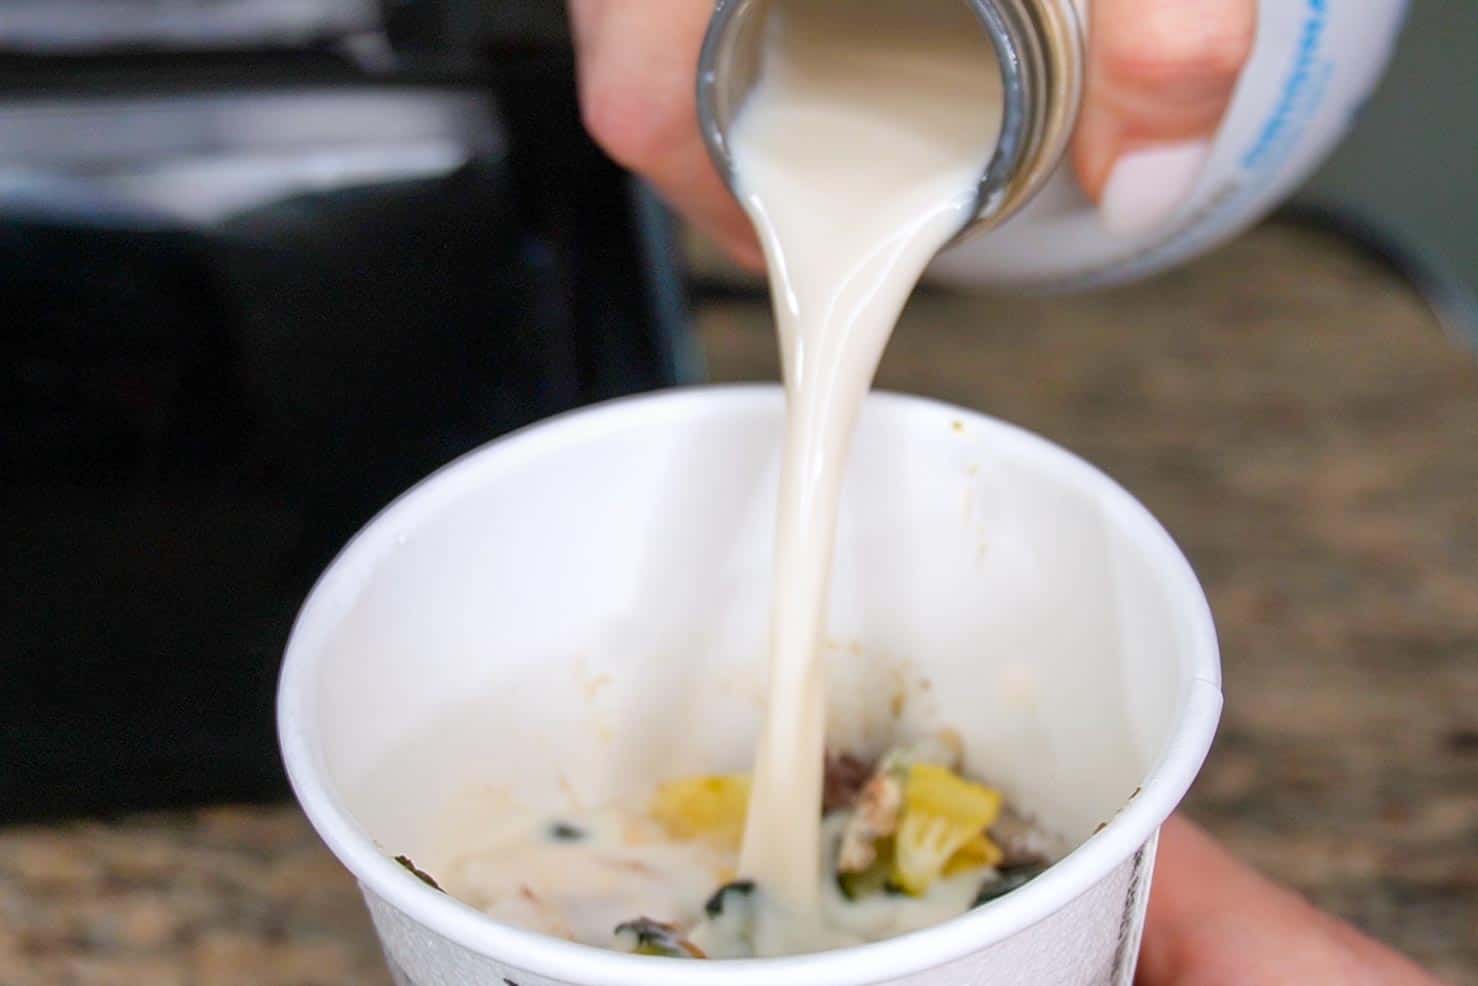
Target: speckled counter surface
1300 424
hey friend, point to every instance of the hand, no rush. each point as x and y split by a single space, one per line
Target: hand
638 71
1214 922
1160 77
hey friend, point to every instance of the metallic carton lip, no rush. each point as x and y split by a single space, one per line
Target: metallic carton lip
1040 54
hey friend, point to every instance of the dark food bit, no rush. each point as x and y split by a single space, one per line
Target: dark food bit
1007 881
647 937
419 874
722 900
843 781
1018 839
731 916
565 832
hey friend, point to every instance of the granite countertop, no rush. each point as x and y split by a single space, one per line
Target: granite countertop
1302 426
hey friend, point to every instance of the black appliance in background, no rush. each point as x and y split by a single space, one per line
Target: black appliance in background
262 266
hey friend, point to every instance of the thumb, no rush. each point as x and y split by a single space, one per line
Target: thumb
1212 919
1161 74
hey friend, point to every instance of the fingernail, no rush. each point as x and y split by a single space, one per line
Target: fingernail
1146 186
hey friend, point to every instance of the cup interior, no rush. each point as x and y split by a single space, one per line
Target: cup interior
575 613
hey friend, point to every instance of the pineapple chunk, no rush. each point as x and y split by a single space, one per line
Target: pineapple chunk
937 790
710 808
976 854
942 813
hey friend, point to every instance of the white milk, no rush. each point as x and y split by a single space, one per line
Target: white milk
857 156
618 865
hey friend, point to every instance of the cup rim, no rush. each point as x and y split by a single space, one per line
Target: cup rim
1126 833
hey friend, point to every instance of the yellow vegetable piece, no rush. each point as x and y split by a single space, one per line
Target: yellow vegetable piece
938 790
976 854
711 808
942 813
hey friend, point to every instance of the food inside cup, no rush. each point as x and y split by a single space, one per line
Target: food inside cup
499 676
910 839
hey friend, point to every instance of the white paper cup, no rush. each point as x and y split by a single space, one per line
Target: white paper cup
580 610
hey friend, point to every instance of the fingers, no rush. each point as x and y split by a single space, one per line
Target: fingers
1214 921
1197 890
637 63
1161 74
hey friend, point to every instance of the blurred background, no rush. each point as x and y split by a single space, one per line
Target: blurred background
265 263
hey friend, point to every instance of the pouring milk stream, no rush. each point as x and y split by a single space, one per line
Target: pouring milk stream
853 188
858 153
